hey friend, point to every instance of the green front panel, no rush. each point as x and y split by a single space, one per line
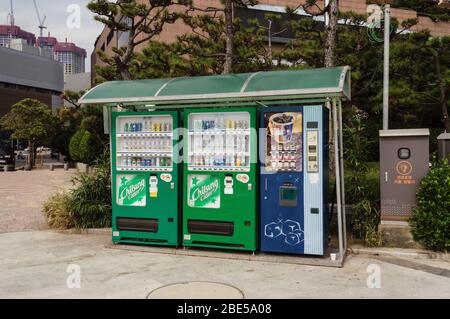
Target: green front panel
145 197
220 201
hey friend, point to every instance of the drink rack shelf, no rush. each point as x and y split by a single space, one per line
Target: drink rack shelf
223 132
145 154
218 153
145 134
220 168
144 169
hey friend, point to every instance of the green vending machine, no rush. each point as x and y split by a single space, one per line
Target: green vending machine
219 204
145 204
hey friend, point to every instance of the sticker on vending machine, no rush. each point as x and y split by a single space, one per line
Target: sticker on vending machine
203 191
131 190
166 177
243 178
153 182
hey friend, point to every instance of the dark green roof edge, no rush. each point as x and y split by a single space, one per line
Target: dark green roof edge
272 85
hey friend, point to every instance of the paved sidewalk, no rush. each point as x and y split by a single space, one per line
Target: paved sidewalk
34 265
22 194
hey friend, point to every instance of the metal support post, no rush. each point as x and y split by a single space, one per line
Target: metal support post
387 33
338 178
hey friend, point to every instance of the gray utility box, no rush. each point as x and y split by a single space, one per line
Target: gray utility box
404 161
444 146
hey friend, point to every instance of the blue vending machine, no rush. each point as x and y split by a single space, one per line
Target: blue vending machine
294 179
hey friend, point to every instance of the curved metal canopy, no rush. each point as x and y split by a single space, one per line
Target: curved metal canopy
272 85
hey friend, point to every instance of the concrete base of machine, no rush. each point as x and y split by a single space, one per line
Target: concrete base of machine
331 259
397 234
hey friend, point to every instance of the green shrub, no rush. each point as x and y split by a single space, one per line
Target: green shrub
89 148
430 220
74 145
85 147
90 200
56 212
361 180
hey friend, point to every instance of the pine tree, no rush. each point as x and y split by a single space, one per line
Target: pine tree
141 21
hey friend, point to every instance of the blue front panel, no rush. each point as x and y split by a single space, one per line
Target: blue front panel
281 180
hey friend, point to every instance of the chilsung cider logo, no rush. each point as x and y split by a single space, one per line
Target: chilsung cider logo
131 190
204 191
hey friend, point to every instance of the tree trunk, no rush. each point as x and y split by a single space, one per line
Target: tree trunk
329 60
229 37
269 43
443 95
30 159
330 34
124 72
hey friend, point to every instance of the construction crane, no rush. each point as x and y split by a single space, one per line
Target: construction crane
11 13
41 21
11 22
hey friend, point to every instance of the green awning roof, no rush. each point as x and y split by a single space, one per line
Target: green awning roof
272 85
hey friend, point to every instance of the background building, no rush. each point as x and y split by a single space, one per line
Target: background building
26 75
76 83
71 56
8 32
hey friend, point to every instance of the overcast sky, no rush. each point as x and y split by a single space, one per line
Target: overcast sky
56 23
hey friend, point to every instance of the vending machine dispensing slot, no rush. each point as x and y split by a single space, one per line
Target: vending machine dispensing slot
210 227
288 195
137 224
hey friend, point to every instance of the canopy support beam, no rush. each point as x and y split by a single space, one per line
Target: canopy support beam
339 168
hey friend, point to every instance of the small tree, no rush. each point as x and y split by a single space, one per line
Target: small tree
74 146
32 121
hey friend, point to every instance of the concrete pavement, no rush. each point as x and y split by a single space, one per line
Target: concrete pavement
34 264
22 194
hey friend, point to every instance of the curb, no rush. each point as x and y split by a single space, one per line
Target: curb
406 253
91 231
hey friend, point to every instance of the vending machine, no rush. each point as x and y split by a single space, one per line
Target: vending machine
220 194
145 206
293 179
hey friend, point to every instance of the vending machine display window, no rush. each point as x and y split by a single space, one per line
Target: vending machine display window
219 141
284 141
144 143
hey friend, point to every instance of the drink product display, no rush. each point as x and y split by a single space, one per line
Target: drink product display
155 162
145 143
219 142
146 126
283 156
